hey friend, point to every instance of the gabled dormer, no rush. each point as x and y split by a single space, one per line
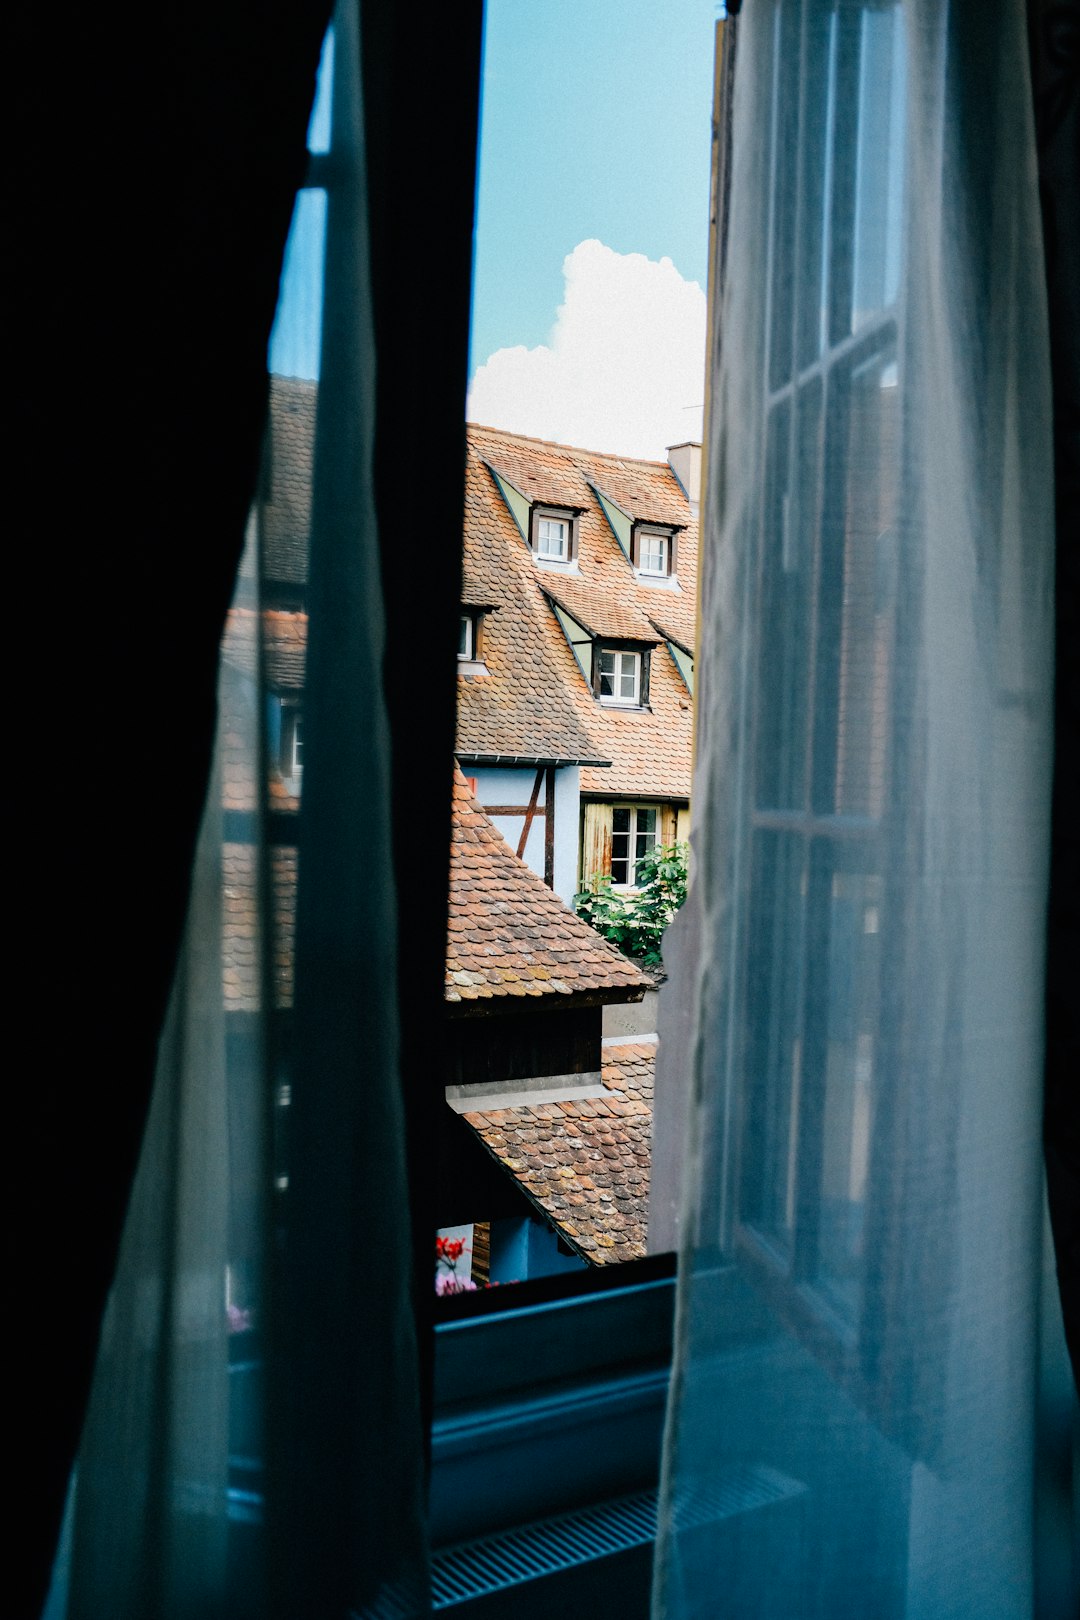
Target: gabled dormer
549 529
649 547
613 649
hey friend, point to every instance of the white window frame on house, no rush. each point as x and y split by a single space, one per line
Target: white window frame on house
545 521
618 674
634 833
652 537
292 739
550 515
467 638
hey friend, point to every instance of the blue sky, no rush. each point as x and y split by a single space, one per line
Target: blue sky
592 225
595 123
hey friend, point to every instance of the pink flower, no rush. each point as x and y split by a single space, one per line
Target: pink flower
449 1284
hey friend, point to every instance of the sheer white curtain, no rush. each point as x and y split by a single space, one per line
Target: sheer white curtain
852 1428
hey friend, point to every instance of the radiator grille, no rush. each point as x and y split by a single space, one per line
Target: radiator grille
474 1569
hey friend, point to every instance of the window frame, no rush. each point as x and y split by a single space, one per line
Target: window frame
814 383
605 646
291 743
542 513
632 834
644 532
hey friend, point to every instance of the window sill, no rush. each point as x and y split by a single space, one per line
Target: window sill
550 565
535 1413
660 582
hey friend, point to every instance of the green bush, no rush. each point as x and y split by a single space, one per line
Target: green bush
635 920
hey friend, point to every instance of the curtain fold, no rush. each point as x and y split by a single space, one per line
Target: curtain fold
852 1424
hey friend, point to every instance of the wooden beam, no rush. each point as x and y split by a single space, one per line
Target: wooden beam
529 814
512 810
549 828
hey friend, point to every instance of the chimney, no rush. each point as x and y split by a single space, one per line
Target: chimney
685 462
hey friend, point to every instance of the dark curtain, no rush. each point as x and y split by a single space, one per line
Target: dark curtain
156 159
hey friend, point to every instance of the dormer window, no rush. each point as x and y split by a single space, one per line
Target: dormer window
653 551
292 740
471 638
618 676
553 536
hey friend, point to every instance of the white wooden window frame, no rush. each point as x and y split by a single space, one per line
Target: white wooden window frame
634 834
620 658
556 559
654 538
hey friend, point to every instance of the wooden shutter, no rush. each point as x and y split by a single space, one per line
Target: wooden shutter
682 824
668 825
596 843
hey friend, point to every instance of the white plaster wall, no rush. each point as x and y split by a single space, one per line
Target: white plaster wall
507 785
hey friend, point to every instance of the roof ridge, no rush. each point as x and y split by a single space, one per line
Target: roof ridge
575 449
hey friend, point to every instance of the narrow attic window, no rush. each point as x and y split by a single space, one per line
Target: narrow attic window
467 636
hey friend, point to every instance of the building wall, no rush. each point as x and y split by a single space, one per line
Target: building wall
499 785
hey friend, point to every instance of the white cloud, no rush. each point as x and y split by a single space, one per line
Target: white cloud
625 367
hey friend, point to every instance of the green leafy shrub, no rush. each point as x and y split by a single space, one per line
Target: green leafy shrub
635 920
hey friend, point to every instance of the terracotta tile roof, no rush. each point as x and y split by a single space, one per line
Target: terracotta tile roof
549 482
239 719
284 645
585 1163
594 610
509 934
671 632
240 932
285 509
535 698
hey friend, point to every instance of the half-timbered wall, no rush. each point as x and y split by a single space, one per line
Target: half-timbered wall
507 794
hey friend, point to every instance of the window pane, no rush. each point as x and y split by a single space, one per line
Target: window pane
785 141
819 96
856 593
653 554
848 1008
620 845
551 537
879 165
465 639
774 995
786 602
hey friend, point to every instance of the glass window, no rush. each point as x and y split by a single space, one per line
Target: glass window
653 553
553 538
619 676
633 837
465 640
823 722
